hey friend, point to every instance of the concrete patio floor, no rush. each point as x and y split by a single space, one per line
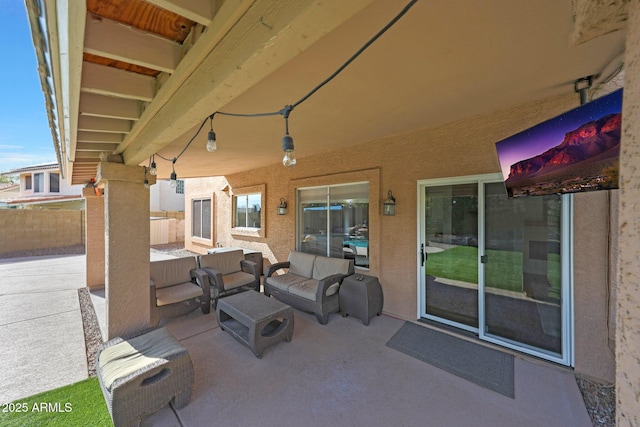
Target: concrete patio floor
338 374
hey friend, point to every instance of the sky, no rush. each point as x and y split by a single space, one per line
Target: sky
538 139
25 137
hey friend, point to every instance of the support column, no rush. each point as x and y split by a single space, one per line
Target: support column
628 319
126 209
94 235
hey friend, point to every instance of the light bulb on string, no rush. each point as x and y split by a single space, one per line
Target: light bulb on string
211 138
289 158
173 180
153 170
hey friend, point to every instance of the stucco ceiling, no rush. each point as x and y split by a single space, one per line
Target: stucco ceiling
443 61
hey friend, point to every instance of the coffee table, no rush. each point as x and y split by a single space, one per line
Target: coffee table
255 320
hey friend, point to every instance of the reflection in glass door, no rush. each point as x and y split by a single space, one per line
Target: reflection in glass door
451 248
497 266
522 269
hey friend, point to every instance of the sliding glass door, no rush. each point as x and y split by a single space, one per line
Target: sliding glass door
497 266
450 250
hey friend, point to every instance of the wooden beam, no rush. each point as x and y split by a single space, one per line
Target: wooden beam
248 53
225 19
84 136
103 80
114 40
108 106
95 146
103 124
200 11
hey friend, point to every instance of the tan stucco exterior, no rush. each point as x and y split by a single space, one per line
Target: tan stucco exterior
628 290
398 163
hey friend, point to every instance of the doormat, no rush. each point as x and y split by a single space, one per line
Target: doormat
484 366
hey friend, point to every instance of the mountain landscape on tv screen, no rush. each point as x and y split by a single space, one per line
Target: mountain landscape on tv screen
586 159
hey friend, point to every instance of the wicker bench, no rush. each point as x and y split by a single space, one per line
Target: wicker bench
140 375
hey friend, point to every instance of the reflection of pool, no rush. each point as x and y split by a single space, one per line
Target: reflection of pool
356 242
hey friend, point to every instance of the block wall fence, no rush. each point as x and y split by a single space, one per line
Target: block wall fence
31 230
26 229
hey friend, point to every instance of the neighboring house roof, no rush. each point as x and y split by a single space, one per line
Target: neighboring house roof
32 200
9 190
45 166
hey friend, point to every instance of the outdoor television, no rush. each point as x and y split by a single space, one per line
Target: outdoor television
573 152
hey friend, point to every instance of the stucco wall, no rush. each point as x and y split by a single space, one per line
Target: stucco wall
26 229
396 163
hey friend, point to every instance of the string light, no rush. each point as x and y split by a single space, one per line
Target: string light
153 170
289 158
211 138
146 181
173 181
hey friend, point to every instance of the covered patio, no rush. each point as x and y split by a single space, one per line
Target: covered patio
134 89
344 373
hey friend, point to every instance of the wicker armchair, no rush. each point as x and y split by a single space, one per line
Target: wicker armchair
141 374
228 273
177 288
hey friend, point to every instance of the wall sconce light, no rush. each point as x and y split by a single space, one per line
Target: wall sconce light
389 205
146 181
282 208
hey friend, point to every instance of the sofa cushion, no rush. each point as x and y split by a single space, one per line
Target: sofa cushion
235 280
177 293
171 271
301 263
127 357
225 262
306 289
324 267
283 281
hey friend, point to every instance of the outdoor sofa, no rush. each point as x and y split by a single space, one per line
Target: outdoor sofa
311 283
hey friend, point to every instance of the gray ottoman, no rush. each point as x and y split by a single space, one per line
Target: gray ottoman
140 375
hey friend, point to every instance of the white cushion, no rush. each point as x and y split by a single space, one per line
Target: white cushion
127 357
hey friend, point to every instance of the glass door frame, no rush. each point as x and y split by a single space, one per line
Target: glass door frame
567 356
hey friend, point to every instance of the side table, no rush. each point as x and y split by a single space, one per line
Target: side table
360 296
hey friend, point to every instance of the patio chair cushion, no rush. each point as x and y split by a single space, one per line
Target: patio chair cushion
301 263
284 281
324 267
129 356
225 262
169 272
307 289
237 279
177 293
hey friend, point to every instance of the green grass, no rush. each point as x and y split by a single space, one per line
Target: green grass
79 404
503 269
